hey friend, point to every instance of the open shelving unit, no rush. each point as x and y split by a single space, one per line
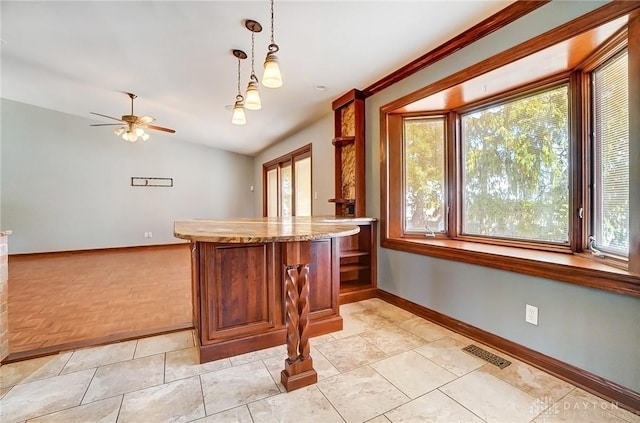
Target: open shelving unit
358 258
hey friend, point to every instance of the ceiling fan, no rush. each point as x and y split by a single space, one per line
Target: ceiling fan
131 126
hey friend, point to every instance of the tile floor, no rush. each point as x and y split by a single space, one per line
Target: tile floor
387 365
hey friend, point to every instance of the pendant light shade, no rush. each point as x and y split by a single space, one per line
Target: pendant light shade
253 97
272 78
239 117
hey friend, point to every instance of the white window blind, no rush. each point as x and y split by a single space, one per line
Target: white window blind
611 156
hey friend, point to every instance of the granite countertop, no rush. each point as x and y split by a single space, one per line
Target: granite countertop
262 229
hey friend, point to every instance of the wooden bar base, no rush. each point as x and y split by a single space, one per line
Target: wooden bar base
298 374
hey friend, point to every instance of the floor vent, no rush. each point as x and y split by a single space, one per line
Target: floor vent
487 356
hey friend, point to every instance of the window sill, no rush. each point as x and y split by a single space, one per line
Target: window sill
571 268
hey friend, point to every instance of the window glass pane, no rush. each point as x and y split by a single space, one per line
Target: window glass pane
424 171
515 169
303 187
286 189
611 151
272 193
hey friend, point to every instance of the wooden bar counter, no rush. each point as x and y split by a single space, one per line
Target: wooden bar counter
258 283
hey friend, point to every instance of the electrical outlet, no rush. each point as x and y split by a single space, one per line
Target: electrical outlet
151 236
531 314
146 234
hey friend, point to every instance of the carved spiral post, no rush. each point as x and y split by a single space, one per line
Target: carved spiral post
298 367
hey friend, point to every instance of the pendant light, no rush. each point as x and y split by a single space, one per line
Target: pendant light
239 117
272 78
252 98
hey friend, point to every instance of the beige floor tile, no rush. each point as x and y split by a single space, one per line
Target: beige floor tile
100 356
434 407
371 317
447 352
361 394
278 351
237 385
534 382
126 376
602 404
317 340
37 398
373 303
412 373
103 411
235 415
393 313
379 419
186 363
177 402
164 343
425 329
347 309
306 405
392 339
322 366
352 326
34 369
492 399
348 353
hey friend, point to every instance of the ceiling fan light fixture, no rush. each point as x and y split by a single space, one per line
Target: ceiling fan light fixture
119 131
145 136
139 131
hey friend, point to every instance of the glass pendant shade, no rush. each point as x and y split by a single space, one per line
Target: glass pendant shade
271 78
252 101
145 136
239 117
139 132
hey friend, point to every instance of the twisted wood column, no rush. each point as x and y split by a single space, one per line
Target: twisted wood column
298 367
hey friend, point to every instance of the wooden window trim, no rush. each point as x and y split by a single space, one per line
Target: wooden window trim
576 268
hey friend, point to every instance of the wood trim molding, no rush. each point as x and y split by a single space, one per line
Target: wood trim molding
561 267
589 21
496 21
45 254
75 345
572 374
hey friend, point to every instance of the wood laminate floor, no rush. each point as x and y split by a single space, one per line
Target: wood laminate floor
61 301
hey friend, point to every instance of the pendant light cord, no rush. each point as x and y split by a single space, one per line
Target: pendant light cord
239 96
272 37
253 72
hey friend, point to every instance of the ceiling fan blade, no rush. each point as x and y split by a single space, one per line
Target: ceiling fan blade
160 128
106 124
144 120
109 117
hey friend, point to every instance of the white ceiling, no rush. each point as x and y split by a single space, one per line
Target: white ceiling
80 56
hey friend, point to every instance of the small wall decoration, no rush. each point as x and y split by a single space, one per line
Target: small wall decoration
142 181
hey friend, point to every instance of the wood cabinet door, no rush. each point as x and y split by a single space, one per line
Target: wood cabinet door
324 277
239 290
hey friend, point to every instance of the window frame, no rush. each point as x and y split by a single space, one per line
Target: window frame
288 159
574 264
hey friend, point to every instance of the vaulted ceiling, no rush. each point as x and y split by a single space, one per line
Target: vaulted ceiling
80 57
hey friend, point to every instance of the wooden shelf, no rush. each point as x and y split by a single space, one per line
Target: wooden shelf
353 266
342 141
342 200
353 253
